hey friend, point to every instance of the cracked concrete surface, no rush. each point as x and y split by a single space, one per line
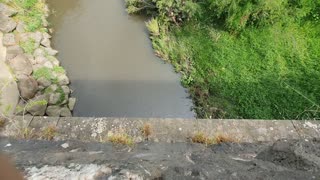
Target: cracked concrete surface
284 159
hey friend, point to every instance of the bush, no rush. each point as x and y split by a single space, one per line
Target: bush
173 11
238 14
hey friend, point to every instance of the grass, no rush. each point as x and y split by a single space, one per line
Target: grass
146 130
30 12
262 73
121 139
49 133
202 138
26 133
28 46
43 72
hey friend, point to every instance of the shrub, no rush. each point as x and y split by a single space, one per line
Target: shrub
238 14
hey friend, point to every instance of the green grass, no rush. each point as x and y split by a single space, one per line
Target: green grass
43 72
28 46
30 12
266 73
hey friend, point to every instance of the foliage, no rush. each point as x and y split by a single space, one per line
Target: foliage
43 72
121 139
202 138
29 11
252 59
172 11
238 14
49 133
28 46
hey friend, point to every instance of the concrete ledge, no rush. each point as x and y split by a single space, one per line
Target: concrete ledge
166 130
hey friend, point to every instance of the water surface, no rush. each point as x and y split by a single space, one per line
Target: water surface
111 64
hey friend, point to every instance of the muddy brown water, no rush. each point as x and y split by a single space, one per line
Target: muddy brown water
111 64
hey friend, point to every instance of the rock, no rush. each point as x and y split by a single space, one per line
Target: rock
39 52
46 42
38 105
27 86
127 174
53 111
54 61
30 58
54 98
46 35
41 59
51 51
9 39
21 27
63 79
6 10
13 51
20 108
44 82
65 112
36 37
35 67
21 65
7 24
48 64
53 87
65 145
72 103
66 90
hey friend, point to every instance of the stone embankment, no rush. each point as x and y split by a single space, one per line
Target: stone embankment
43 86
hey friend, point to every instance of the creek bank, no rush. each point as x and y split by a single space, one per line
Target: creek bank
42 82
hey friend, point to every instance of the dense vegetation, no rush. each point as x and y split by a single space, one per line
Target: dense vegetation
241 58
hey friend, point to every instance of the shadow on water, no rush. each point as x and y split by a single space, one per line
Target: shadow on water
111 64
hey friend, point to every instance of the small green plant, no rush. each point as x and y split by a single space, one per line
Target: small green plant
26 133
153 27
58 69
43 72
28 46
62 95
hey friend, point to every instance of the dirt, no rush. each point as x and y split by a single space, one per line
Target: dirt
284 159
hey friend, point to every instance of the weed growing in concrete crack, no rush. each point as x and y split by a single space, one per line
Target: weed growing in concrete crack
146 130
202 138
121 139
49 133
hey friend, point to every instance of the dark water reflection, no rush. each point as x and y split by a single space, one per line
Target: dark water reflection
111 64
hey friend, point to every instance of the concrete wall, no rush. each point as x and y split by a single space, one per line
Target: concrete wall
166 130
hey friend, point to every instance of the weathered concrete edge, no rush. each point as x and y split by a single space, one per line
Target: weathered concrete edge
165 130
